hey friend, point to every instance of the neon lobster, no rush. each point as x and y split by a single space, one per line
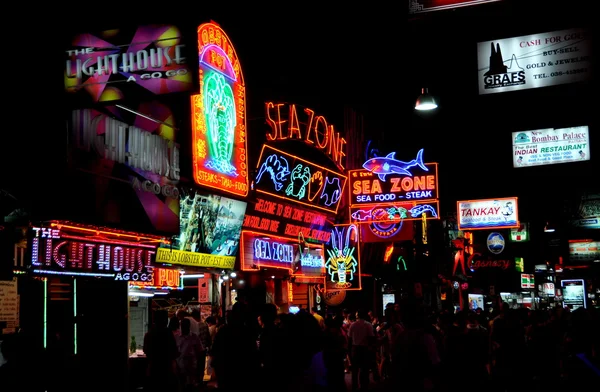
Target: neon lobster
341 260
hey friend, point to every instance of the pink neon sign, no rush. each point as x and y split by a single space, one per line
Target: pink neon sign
64 251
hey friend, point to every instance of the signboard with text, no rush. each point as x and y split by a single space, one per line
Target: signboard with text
282 219
418 6
191 259
294 179
126 164
163 278
127 63
71 250
550 146
536 60
259 251
366 187
582 251
483 214
219 147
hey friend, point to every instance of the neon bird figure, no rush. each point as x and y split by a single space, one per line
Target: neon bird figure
341 259
219 110
382 166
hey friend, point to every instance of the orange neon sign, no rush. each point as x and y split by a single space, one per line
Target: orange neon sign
219 151
314 130
292 178
367 188
162 278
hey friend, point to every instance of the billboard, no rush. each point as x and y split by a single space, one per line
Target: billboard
587 212
342 259
482 214
210 229
297 180
550 146
584 251
536 60
66 249
125 63
573 293
283 219
219 147
126 162
419 6
259 251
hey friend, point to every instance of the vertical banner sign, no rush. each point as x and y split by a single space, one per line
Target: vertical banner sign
342 259
537 60
204 288
219 142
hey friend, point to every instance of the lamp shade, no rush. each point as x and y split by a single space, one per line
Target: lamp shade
425 101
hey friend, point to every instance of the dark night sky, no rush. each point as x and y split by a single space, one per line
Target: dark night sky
369 58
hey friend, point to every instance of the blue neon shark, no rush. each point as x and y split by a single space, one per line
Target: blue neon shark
382 166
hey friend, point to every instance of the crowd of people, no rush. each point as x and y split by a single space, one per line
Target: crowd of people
409 349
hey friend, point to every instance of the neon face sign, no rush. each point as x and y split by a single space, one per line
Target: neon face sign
219 115
70 251
342 265
292 178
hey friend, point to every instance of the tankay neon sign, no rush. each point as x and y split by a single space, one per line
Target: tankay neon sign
219 115
289 177
72 250
343 255
484 214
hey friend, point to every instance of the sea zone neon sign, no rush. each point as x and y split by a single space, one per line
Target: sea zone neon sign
260 250
368 187
219 149
292 178
71 251
314 130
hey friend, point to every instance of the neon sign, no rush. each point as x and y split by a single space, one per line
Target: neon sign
163 278
343 253
314 130
295 179
275 251
384 186
219 115
266 251
67 249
